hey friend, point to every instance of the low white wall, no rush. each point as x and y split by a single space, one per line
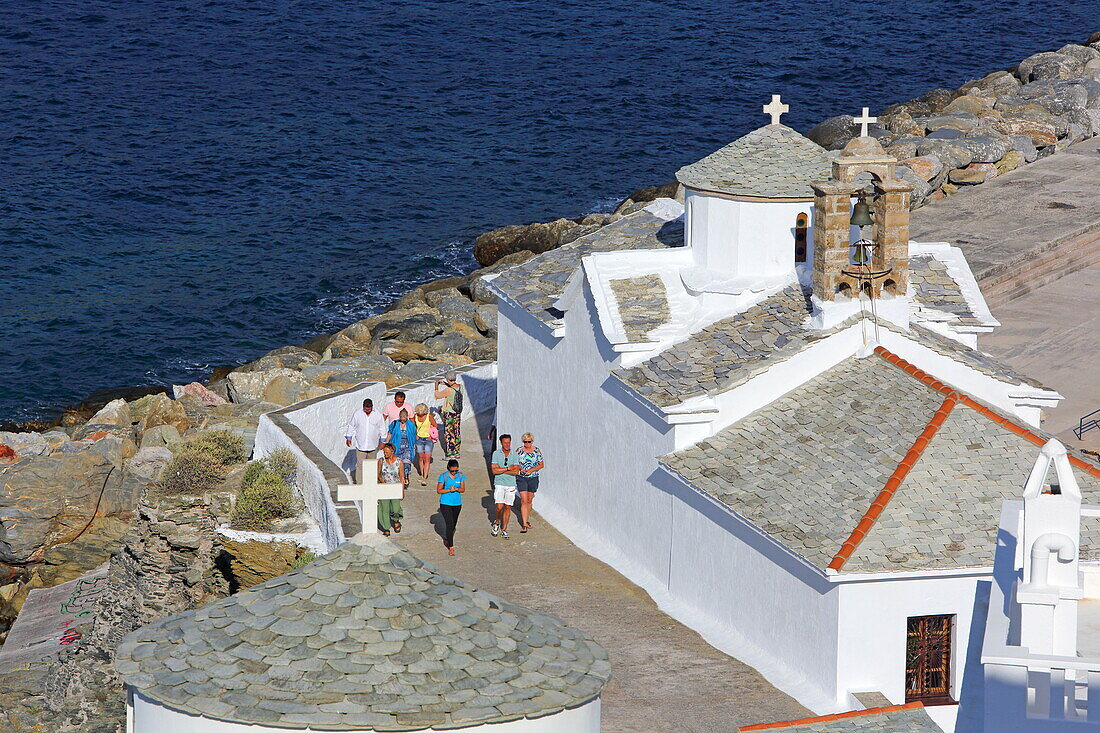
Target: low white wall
314 431
148 716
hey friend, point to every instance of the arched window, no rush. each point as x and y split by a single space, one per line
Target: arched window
890 286
801 230
865 288
844 290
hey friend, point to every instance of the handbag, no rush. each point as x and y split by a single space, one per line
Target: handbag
433 432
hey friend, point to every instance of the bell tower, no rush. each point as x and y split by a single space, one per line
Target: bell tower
879 263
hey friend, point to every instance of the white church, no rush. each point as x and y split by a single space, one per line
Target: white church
767 407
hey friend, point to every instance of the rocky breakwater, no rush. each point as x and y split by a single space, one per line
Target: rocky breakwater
950 139
440 324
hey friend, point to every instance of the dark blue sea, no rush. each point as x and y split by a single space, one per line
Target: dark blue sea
189 184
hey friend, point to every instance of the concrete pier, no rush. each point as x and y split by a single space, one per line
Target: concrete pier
1032 237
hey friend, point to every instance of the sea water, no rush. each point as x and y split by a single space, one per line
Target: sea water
187 184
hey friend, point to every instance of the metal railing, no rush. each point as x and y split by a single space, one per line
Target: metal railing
1087 423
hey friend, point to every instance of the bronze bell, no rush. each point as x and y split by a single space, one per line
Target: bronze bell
861 214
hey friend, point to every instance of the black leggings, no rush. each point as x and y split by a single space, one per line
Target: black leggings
450 521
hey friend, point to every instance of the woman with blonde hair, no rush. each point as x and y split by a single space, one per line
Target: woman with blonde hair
427 433
527 481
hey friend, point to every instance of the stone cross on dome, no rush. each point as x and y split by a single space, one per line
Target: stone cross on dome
864 120
369 492
776 109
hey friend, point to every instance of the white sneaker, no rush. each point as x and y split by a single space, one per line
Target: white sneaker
504 534
496 529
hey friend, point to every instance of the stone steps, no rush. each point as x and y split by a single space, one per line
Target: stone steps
1070 256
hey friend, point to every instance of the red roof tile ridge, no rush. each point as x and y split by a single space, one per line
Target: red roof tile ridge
834 716
978 407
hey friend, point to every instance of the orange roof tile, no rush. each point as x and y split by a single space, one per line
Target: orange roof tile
827 718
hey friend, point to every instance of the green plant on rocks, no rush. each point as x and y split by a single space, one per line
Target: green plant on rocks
285 464
264 496
303 559
191 472
224 445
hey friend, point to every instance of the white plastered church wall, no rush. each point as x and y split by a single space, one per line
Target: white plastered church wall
873 616
744 238
602 488
148 716
599 452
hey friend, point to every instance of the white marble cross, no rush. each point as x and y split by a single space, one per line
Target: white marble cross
369 492
864 120
776 109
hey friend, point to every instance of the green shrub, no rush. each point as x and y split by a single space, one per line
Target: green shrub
251 472
191 472
285 464
303 559
264 498
224 445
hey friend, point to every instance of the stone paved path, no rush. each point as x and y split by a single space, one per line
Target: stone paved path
665 677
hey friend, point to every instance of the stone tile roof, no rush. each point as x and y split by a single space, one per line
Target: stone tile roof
727 352
978 360
934 288
806 469
642 303
894 719
367 637
773 161
537 283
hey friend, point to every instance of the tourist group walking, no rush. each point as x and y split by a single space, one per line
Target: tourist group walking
405 437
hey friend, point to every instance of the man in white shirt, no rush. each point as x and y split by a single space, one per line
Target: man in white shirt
366 432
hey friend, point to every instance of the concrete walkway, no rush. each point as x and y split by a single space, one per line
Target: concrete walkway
1053 334
665 677
1026 228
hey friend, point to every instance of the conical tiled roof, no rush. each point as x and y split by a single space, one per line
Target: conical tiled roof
367 637
773 161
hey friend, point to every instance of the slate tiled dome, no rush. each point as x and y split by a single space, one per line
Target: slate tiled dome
773 161
367 637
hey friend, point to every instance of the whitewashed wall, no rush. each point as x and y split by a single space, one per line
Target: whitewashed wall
147 716
314 431
600 487
873 617
744 238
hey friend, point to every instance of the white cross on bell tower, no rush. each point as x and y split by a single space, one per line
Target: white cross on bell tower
775 108
864 120
369 492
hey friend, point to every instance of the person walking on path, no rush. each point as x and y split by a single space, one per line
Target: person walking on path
391 411
450 391
505 467
365 431
427 433
391 470
402 435
527 482
450 488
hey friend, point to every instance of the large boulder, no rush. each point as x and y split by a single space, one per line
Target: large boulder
938 99
993 85
901 122
407 325
969 103
949 152
162 436
250 386
159 409
251 562
834 133
486 319
200 392
642 196
1023 145
445 343
416 370
27 445
457 306
403 352
286 390
921 187
285 357
1041 134
988 148
115 412
435 297
973 174
1049 65
539 237
49 499
478 291
483 350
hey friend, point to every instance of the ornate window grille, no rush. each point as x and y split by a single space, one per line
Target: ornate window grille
928 659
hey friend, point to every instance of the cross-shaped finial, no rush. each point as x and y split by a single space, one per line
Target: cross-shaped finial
776 109
370 492
864 120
